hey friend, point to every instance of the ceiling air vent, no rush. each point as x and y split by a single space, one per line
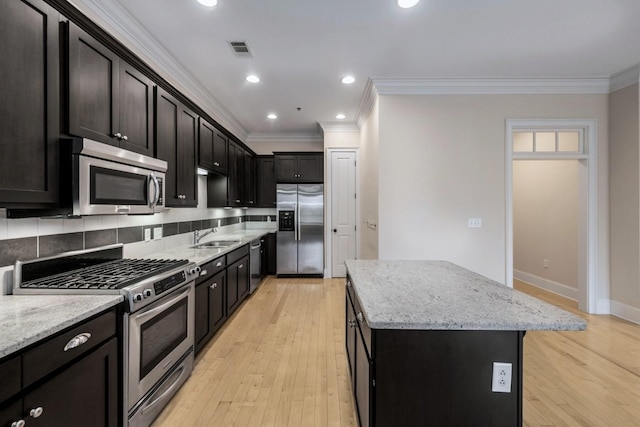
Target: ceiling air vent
241 49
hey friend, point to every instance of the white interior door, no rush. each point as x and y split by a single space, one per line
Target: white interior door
343 210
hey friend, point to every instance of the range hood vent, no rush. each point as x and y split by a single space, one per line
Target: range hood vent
241 49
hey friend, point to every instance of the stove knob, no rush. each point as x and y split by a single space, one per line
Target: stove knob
147 293
137 297
194 270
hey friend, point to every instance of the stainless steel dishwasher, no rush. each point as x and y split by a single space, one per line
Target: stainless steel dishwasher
255 261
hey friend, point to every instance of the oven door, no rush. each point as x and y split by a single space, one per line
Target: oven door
103 187
159 335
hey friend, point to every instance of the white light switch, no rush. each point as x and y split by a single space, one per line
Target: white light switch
475 223
147 234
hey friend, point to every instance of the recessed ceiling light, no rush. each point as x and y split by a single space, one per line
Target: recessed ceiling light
208 3
340 116
272 116
348 80
405 4
252 78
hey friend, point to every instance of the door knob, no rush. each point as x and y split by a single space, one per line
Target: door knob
335 230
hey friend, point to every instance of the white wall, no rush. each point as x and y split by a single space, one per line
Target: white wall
545 222
442 161
368 202
625 199
268 147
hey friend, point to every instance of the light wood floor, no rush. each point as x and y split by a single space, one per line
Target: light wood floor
280 361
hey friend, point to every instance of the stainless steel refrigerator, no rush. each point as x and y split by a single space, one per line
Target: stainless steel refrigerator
300 241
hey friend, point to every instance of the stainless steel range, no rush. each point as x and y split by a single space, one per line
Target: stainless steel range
158 325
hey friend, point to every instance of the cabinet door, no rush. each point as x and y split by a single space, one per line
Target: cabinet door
286 168
93 88
271 251
210 308
205 145
136 110
243 278
363 380
30 107
175 143
11 413
85 394
236 175
232 288
265 182
249 180
217 303
311 168
201 323
220 152
186 158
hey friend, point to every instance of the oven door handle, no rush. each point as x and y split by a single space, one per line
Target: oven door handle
150 313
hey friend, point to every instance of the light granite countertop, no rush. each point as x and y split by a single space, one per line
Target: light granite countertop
439 295
26 319
203 255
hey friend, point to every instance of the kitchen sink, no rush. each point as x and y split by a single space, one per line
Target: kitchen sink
216 244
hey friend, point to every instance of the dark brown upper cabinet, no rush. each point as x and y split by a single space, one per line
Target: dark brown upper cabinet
299 167
109 100
30 104
212 148
176 142
265 182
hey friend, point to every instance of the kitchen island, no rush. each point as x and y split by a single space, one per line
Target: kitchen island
422 338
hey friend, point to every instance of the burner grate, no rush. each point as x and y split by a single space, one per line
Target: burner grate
115 274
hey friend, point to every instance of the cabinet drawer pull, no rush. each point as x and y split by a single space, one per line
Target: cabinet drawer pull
19 423
213 285
240 266
204 272
219 264
360 317
118 135
216 164
125 137
36 412
237 200
76 341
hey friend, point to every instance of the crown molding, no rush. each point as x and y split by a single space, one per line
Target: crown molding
339 126
257 137
367 102
625 78
491 86
114 18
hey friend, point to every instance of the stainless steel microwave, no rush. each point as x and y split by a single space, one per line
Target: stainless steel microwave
109 180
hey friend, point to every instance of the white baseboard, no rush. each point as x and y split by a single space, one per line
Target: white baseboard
549 285
624 311
603 306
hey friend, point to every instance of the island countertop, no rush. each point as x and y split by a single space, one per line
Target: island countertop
439 295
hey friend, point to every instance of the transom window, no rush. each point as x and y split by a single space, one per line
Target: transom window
548 142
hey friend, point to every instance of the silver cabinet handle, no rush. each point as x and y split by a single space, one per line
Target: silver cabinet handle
204 272
125 137
352 323
213 285
36 412
237 200
77 341
19 423
216 164
360 317
118 135
219 264
240 266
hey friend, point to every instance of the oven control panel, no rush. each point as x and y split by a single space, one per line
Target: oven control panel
169 282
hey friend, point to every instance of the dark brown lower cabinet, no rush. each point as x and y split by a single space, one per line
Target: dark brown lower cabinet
76 388
407 377
238 283
210 308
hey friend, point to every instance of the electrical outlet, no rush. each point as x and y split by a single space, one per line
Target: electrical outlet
501 379
475 223
147 234
157 233
545 263
215 229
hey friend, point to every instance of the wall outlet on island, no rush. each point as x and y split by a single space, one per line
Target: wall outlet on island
501 379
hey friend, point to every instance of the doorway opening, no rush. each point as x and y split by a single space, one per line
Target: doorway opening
539 152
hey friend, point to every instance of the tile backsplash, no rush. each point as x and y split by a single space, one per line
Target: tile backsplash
39 237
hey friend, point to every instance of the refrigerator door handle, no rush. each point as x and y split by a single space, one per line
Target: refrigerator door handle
299 221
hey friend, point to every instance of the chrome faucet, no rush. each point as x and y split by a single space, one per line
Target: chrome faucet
197 236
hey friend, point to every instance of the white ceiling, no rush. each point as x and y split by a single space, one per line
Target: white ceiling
302 48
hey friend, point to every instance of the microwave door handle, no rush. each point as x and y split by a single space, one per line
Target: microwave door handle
156 190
